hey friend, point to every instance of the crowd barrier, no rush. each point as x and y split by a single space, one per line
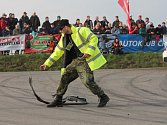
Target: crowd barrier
130 43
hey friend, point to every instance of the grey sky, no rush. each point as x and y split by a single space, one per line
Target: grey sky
73 9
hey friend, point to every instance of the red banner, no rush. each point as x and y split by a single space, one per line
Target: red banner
125 6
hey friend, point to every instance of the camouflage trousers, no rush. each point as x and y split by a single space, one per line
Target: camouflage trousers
78 68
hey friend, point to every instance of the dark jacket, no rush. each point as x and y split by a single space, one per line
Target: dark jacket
24 19
116 23
35 22
11 23
46 27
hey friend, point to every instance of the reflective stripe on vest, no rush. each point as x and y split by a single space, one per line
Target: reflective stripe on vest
60 47
51 59
92 47
82 39
94 58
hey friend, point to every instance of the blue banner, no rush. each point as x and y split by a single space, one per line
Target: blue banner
133 43
130 43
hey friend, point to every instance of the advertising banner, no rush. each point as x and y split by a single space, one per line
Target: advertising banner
39 44
12 43
130 43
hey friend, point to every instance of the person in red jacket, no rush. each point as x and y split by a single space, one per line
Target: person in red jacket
134 29
3 26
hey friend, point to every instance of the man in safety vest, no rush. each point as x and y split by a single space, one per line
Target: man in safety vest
79 46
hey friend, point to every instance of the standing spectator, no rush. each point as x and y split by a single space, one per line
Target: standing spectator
96 21
3 26
158 32
15 20
116 47
120 26
151 32
104 22
78 23
116 22
24 19
56 22
35 22
143 33
17 30
46 26
140 21
88 23
148 23
132 20
164 29
11 23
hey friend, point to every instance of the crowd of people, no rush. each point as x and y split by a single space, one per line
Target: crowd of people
10 25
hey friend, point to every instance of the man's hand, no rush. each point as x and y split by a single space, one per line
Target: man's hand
85 56
43 67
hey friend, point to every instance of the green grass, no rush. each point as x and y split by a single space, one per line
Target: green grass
31 62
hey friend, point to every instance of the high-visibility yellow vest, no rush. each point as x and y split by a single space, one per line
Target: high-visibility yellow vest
86 42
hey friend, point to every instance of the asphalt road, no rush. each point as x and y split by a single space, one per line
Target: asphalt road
137 97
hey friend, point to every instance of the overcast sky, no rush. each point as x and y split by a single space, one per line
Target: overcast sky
73 9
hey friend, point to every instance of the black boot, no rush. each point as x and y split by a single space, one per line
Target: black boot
56 102
103 100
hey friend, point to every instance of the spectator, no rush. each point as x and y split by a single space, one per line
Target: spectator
115 31
96 21
148 23
132 20
158 32
116 22
15 20
134 29
120 27
164 29
78 23
88 23
3 25
140 21
35 22
11 22
46 26
17 30
53 30
116 47
108 29
124 30
27 29
104 22
151 32
143 33
24 19
97 30
56 22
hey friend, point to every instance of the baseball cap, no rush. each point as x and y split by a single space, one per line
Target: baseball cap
4 14
63 23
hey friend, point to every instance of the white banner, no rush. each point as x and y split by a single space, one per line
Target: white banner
12 43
